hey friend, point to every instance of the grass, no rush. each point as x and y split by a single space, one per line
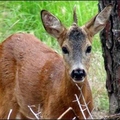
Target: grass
25 16
21 16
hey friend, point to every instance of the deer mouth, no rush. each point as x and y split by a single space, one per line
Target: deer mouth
78 79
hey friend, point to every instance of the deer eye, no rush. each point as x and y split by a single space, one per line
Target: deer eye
64 50
88 50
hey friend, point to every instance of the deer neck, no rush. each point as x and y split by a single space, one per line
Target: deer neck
69 87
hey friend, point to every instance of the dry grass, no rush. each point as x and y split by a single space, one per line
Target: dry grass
97 80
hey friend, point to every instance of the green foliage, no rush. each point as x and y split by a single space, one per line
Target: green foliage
21 16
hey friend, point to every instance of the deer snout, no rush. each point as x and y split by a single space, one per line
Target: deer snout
78 75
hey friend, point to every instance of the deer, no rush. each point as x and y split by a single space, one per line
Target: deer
34 74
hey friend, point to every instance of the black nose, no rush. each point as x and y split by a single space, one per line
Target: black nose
78 74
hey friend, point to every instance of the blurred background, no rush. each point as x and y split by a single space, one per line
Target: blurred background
24 16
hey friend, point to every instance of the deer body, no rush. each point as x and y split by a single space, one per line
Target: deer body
31 73
27 61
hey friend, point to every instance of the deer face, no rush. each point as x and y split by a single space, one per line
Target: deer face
76 49
75 41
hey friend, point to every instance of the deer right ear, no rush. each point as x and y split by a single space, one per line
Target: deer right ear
99 21
51 24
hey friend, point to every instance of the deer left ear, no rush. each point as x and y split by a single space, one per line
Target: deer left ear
99 21
51 24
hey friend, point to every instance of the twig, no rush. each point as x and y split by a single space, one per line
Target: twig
33 113
86 105
61 116
39 111
9 114
74 118
80 106
73 112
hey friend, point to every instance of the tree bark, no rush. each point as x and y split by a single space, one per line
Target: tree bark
110 39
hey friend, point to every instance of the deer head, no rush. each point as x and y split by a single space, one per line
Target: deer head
75 41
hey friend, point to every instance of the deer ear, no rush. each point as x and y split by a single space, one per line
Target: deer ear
98 23
51 24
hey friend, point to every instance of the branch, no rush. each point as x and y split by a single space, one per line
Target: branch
85 104
70 109
9 114
35 114
80 106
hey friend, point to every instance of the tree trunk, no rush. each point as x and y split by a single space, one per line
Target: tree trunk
110 39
